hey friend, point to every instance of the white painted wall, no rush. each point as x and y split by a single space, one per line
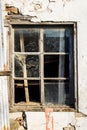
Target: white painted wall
62 10
37 120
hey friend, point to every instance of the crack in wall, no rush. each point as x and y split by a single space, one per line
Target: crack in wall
69 127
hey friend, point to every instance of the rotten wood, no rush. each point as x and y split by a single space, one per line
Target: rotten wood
24 69
38 107
20 78
5 73
19 85
42 66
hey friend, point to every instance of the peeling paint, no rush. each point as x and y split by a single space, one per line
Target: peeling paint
11 9
65 2
69 127
4 116
79 114
40 11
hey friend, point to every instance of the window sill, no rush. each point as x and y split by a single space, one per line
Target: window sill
41 108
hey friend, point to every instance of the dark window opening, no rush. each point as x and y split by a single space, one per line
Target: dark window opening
34 91
56 66
51 66
33 88
43 64
19 91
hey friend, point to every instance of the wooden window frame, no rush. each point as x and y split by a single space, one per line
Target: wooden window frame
16 107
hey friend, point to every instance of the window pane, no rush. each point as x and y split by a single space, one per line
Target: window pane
19 91
56 66
57 92
33 89
17 40
29 38
26 65
32 66
54 40
18 65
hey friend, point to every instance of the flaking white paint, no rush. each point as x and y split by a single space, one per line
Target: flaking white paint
55 11
37 120
74 10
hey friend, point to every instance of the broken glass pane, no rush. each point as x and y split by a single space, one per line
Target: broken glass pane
56 66
34 90
29 38
19 91
57 92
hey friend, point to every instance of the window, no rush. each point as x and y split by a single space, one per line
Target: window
43 64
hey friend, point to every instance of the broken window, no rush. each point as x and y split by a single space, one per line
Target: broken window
43 64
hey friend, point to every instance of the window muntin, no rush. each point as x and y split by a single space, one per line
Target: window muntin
44 56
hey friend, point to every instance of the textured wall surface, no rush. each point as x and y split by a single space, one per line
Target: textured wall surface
60 10
62 120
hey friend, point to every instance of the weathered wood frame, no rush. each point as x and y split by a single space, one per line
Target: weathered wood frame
41 63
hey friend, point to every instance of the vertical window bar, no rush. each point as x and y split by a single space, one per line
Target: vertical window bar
75 68
24 68
41 66
61 68
12 65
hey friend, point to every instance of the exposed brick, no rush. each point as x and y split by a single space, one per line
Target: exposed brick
12 10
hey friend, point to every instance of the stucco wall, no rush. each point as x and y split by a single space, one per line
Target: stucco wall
61 10
62 120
